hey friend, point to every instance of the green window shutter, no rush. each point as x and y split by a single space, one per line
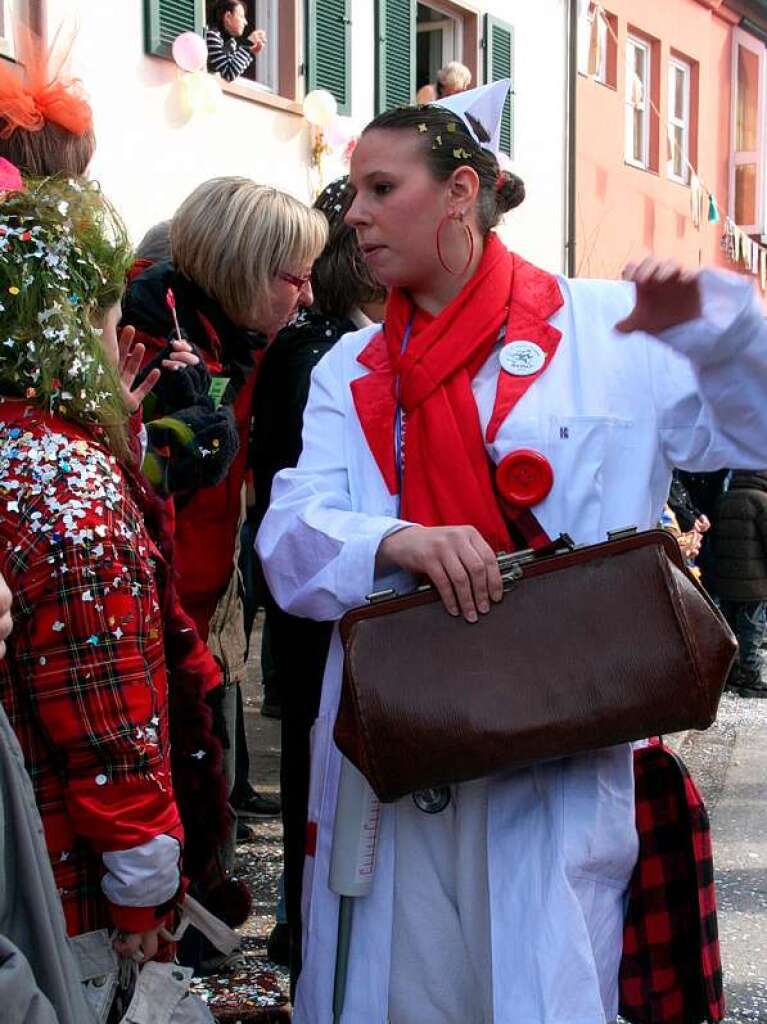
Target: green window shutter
328 43
166 19
499 63
395 53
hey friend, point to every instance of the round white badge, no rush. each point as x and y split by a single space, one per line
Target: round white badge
522 358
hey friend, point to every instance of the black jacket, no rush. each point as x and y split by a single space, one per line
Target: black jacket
281 392
740 538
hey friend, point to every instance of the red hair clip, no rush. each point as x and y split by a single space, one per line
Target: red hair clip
500 180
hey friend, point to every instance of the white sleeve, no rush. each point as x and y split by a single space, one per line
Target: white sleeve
317 554
710 381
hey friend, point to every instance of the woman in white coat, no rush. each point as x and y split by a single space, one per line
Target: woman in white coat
507 906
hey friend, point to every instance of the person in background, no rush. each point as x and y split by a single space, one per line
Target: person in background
241 265
230 52
702 491
153 247
739 553
84 682
452 78
689 541
346 297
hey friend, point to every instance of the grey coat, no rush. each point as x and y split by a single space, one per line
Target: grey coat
39 980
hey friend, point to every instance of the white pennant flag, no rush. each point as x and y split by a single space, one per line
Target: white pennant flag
481 110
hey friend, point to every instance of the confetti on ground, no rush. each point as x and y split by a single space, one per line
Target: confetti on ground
252 990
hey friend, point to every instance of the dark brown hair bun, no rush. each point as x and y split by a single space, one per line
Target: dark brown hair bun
511 191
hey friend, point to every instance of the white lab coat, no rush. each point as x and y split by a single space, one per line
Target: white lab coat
613 414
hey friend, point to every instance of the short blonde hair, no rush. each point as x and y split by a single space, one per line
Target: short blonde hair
231 236
455 77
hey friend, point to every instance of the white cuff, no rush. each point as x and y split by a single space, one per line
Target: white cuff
357 560
144 876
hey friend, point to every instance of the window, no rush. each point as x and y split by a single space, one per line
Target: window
264 70
439 39
328 51
638 82
415 40
597 43
6 29
747 141
679 87
600 37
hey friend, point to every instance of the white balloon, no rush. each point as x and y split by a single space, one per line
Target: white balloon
202 93
320 107
211 93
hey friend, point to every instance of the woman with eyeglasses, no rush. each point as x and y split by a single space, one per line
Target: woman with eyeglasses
240 269
240 266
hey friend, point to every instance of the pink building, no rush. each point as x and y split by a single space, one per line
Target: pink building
670 133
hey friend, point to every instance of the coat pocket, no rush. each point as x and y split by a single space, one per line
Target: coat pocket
580 448
162 996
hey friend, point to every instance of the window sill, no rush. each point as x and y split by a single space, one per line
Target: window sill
248 91
640 167
598 81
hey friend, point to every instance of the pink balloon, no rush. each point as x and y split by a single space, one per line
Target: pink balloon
189 51
339 132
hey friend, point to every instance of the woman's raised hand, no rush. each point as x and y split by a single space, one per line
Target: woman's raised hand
457 559
131 357
666 295
257 40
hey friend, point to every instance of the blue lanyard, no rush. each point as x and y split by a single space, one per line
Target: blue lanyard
398 434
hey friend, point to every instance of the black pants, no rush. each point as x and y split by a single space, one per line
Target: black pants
241 787
299 650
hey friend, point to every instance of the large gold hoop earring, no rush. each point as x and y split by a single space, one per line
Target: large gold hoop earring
468 233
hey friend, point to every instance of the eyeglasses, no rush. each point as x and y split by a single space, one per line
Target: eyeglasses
299 282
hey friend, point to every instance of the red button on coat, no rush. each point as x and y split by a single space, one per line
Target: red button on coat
524 477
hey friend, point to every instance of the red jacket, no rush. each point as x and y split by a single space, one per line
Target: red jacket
84 681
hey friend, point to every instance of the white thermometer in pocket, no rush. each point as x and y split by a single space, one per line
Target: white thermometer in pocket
352 862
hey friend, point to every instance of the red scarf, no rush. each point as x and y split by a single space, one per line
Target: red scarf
446 478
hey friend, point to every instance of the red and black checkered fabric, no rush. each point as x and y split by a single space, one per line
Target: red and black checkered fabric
84 680
671 970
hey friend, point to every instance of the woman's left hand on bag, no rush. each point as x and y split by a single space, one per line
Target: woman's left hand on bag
457 559
666 295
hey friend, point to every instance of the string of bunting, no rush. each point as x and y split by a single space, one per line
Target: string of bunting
738 247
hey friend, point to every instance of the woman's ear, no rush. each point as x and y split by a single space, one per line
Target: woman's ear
464 186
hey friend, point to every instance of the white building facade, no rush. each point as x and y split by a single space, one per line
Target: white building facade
153 149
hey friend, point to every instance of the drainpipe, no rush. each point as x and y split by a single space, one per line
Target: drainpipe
572 88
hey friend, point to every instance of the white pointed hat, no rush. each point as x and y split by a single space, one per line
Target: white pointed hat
481 110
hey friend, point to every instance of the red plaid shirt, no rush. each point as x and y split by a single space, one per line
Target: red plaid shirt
671 971
84 681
